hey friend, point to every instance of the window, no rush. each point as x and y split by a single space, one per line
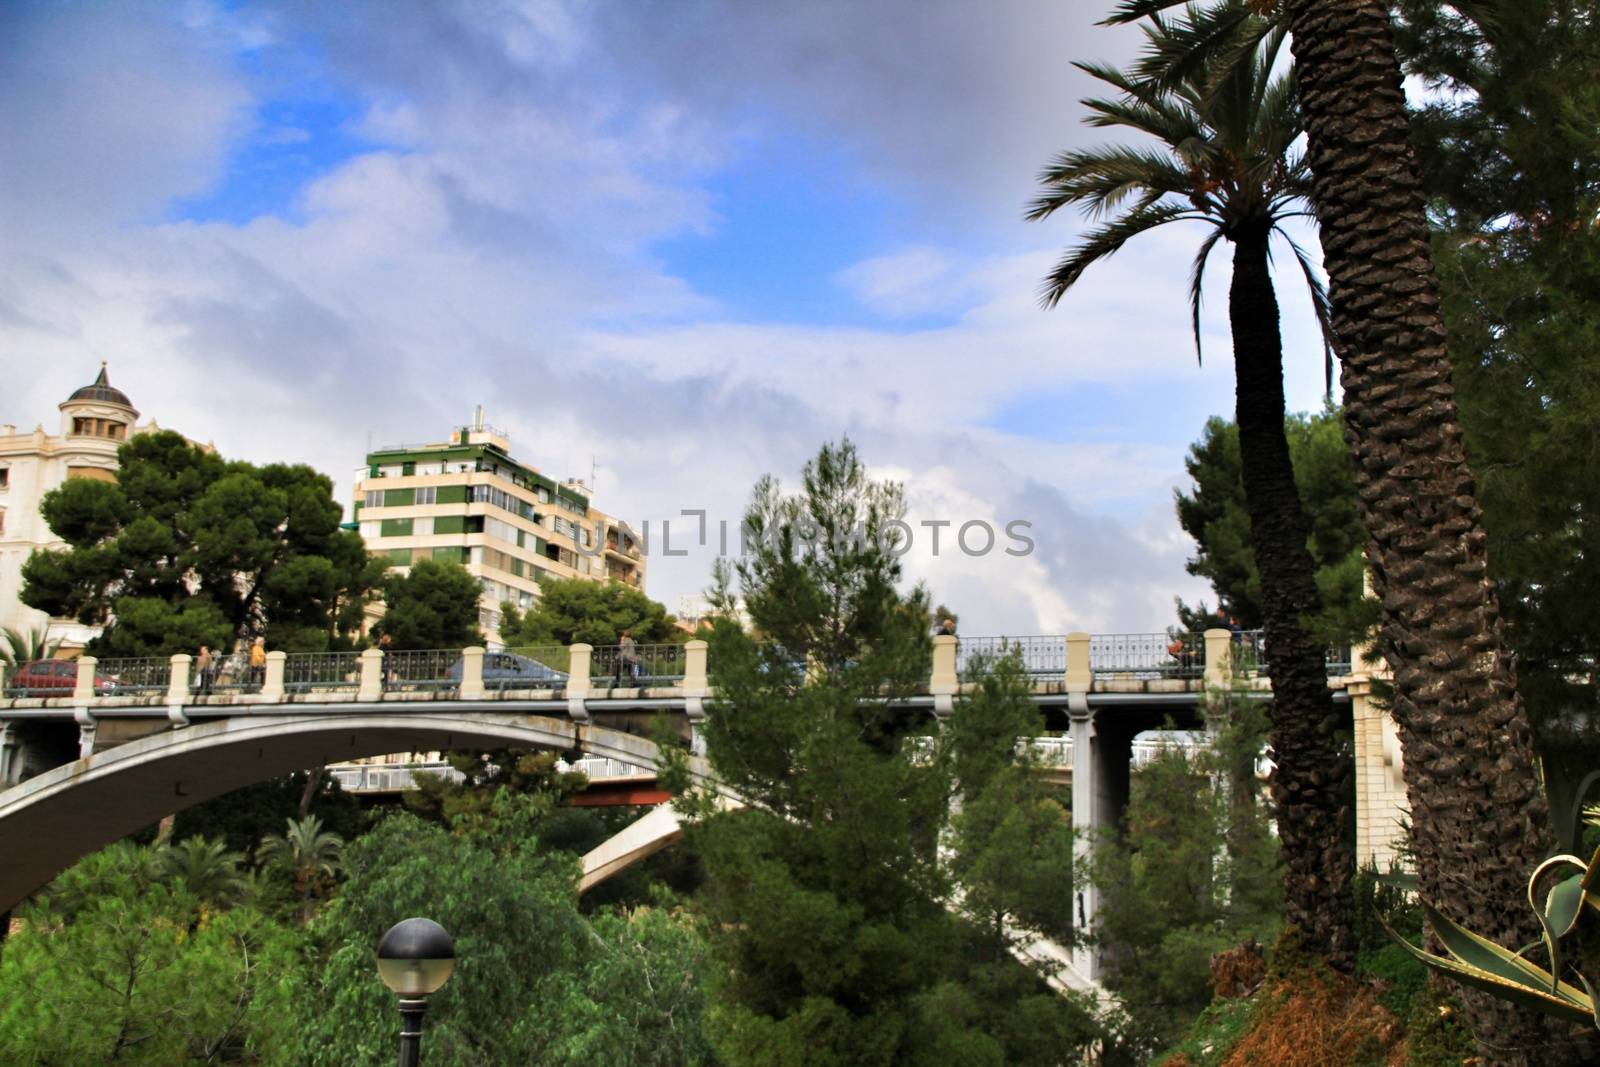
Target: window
114 430
5 478
400 557
428 494
374 498
83 427
407 469
422 527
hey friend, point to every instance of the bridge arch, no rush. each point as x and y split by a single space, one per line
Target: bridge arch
50 821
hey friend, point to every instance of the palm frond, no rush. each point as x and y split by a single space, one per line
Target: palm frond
1128 11
1104 240
1197 274
1102 179
1320 303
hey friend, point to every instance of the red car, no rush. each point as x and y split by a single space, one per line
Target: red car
51 678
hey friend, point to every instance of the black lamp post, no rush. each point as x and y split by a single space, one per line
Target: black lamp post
415 958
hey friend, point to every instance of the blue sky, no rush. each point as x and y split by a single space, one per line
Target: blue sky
680 242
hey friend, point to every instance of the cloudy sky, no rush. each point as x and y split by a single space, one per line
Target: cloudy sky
676 242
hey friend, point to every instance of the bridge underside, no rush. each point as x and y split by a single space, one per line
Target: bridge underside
50 821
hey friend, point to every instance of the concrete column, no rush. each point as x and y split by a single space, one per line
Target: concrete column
472 673
944 684
578 681
85 686
1085 960
4 671
178 680
272 683
85 732
1219 658
371 676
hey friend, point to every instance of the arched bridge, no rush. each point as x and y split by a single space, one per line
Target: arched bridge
121 744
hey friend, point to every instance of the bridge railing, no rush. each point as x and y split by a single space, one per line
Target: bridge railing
429 670
307 672
527 667
1148 655
1042 655
652 665
134 674
233 674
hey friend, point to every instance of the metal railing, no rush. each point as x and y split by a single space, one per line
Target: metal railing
1041 655
1146 656
233 674
649 665
141 674
1340 661
427 670
304 672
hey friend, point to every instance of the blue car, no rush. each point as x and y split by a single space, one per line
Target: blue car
504 670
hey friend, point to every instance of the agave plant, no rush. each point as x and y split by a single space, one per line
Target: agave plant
1569 917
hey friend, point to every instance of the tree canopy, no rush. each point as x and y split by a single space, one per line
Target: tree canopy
574 610
433 605
827 896
187 548
1213 513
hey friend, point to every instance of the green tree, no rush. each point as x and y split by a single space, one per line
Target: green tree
434 605
535 984
1224 156
186 548
1194 872
206 870
1511 167
310 856
826 896
241 818
129 972
1215 515
484 772
18 646
574 610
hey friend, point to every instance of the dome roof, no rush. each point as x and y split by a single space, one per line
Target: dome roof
101 390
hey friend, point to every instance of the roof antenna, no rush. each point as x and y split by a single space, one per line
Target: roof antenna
593 476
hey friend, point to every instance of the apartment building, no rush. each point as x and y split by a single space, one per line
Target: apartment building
468 501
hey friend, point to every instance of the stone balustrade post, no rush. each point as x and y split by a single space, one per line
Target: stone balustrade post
10 751
371 688
1080 676
695 676
178 679
1219 658
944 683
579 683
472 673
85 687
272 683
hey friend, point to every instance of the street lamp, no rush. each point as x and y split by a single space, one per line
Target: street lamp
415 958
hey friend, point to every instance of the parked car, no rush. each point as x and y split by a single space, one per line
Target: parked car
52 678
506 670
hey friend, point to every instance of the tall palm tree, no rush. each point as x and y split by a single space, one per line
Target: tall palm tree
311 855
1479 821
1224 158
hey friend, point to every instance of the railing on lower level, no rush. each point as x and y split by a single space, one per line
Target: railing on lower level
643 665
1150 655
398 777
1041 655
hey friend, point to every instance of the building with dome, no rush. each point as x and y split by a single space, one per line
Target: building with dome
95 421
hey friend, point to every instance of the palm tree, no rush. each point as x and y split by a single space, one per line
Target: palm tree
206 869
1224 158
18 647
1479 823
311 856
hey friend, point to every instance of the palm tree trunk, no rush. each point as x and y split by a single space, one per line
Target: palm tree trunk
1313 787
1479 823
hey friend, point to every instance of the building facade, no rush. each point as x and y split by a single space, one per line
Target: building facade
95 421
468 501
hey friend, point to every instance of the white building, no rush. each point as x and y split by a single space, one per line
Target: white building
95 421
